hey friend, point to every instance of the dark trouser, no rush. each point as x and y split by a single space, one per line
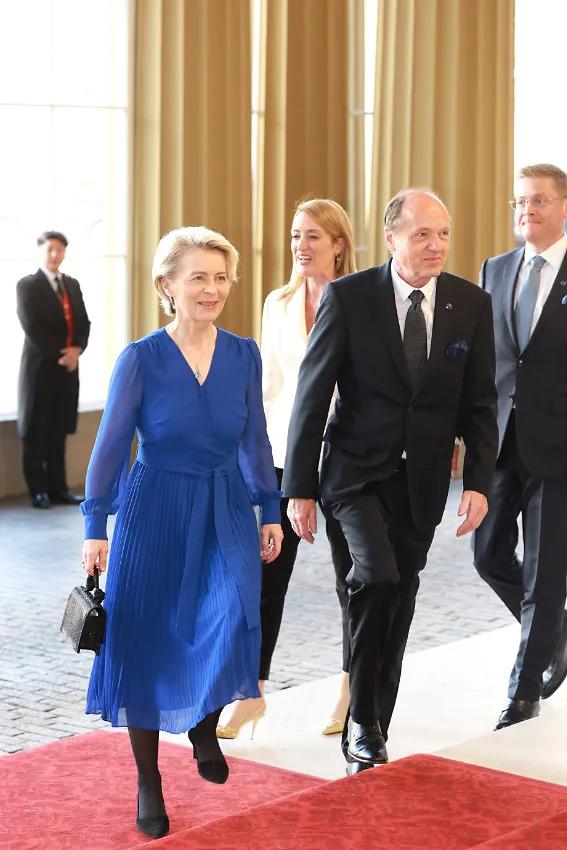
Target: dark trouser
534 589
275 581
387 552
43 449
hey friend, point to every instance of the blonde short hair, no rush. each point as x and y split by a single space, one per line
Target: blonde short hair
173 246
545 169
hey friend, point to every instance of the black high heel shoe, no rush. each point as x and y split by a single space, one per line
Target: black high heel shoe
211 763
155 826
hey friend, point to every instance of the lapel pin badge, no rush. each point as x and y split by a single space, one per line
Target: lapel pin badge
563 283
564 300
449 306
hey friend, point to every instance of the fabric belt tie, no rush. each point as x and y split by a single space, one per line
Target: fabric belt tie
240 548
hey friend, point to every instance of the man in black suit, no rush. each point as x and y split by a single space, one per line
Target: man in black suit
411 350
56 326
529 298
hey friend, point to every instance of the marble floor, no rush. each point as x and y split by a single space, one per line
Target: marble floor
449 700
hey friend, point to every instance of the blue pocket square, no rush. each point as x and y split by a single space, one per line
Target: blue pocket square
458 348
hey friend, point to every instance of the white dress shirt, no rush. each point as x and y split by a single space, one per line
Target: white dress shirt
402 292
51 278
553 257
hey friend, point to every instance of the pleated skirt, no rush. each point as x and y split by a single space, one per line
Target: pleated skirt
146 675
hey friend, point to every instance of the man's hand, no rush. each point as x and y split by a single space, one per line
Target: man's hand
302 514
475 506
70 357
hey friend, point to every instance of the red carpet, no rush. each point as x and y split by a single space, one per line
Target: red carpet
416 803
80 793
546 834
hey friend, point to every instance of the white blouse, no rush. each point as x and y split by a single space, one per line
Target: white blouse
283 345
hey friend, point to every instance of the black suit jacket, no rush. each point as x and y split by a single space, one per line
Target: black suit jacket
356 342
535 380
41 316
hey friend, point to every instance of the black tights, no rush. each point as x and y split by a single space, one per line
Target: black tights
145 745
203 736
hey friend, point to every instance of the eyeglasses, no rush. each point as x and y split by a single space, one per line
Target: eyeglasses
538 201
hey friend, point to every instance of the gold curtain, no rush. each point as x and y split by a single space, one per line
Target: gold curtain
306 123
444 118
191 149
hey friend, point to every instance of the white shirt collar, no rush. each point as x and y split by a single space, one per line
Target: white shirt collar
50 275
404 290
553 255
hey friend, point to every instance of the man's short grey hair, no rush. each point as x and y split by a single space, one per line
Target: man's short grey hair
394 210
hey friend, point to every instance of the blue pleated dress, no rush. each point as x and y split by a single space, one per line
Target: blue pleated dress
183 586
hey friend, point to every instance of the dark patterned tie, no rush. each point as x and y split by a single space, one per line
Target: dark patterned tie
525 305
415 339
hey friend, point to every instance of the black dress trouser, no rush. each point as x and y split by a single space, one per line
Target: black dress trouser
534 588
43 448
275 581
387 551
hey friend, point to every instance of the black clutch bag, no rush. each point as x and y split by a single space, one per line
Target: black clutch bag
84 618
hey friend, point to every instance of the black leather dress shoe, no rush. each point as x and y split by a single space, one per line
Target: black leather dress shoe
517 711
366 743
555 674
65 497
357 767
41 500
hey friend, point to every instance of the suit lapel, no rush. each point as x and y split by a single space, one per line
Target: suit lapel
49 298
509 276
387 318
442 317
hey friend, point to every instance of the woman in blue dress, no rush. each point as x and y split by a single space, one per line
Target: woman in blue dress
183 590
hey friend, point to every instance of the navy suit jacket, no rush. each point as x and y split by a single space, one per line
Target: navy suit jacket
534 380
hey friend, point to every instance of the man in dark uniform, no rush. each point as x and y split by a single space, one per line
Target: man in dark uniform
56 326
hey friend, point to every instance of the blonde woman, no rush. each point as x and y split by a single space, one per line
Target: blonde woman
183 592
322 248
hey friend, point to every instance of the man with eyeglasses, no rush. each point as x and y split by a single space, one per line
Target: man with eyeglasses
529 299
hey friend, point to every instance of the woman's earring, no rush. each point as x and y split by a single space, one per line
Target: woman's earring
337 259
171 302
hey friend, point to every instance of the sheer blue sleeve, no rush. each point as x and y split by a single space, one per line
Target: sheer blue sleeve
108 466
255 453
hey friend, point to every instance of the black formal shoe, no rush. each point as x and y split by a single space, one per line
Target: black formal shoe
555 674
366 743
65 497
154 825
357 767
41 500
517 711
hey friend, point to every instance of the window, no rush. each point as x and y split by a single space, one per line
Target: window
64 166
540 120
